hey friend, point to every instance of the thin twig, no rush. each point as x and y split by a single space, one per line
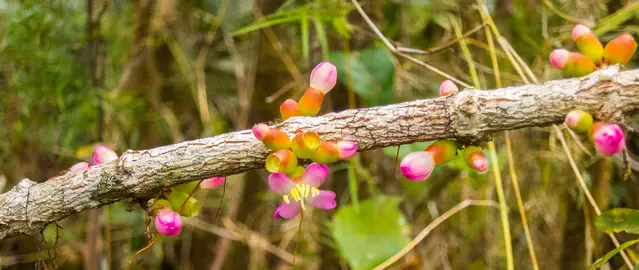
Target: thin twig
299 236
202 99
443 46
191 195
503 208
241 235
511 162
584 187
394 50
431 226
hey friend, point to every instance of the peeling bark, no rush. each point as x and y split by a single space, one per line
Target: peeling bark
470 116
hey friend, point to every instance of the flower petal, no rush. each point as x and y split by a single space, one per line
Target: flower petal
280 183
324 200
288 210
314 175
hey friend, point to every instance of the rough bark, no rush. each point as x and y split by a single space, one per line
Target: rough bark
470 116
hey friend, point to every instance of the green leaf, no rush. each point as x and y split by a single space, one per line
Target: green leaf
619 220
372 73
187 187
601 261
180 204
367 237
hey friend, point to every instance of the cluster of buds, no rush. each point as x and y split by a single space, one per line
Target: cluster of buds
178 203
417 166
607 138
304 145
297 185
323 79
593 54
101 154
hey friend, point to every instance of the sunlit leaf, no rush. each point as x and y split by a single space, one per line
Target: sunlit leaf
376 232
372 72
601 261
619 220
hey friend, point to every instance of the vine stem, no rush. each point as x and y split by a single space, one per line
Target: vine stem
503 208
520 202
431 226
586 191
191 194
499 186
511 160
299 236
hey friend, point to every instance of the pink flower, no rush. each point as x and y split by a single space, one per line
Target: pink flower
609 140
80 166
559 58
260 130
324 77
346 149
448 88
212 182
579 30
168 223
417 166
297 195
103 154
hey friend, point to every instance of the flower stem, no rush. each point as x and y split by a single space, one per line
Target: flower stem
503 208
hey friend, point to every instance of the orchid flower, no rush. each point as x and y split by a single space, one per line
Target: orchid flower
296 195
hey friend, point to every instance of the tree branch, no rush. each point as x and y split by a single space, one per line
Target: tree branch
470 116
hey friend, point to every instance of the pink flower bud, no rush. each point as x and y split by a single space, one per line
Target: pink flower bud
475 158
80 166
168 223
579 30
417 166
578 120
478 161
448 88
559 58
260 130
103 154
609 140
212 182
324 77
346 149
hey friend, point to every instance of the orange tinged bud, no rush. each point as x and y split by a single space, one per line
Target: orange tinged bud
305 144
442 151
310 102
326 153
620 49
276 139
587 42
288 109
578 65
283 161
590 46
297 173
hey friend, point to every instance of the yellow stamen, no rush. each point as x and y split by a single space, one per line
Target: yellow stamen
286 200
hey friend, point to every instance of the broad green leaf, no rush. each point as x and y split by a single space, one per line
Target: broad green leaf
367 237
372 73
619 220
601 261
